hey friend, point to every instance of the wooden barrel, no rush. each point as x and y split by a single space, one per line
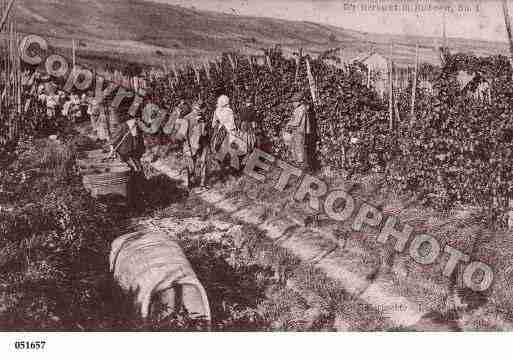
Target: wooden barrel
153 265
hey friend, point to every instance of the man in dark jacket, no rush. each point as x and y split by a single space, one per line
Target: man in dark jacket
248 126
196 147
297 131
128 143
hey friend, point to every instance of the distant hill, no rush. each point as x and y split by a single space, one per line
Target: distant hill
155 33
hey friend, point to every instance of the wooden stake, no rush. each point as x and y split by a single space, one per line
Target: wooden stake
444 31
206 66
6 14
74 52
18 70
250 63
196 73
173 68
298 64
311 81
391 90
414 86
397 91
507 21
232 62
268 61
396 108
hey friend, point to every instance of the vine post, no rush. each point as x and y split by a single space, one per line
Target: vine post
396 91
74 53
391 89
507 21
414 86
5 15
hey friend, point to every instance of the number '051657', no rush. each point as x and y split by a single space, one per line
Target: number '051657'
22 345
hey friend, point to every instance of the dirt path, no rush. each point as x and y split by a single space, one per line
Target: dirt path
327 277
372 300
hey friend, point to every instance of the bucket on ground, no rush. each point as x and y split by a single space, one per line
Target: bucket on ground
153 266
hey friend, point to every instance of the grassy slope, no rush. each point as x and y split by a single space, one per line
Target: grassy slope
362 254
139 28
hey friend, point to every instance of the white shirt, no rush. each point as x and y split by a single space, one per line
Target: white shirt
132 126
225 117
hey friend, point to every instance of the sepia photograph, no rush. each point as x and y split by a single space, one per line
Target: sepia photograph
244 166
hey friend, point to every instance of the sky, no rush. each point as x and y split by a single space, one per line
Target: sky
474 19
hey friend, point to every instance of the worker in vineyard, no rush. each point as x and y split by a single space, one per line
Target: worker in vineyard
99 120
128 141
248 125
223 122
298 128
113 116
52 102
41 94
196 147
61 100
225 134
65 107
151 125
84 105
103 124
93 111
71 109
175 128
75 111
171 126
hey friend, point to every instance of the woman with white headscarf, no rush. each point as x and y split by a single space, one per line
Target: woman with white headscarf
223 115
224 126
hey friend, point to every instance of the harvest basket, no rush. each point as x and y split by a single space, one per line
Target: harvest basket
152 265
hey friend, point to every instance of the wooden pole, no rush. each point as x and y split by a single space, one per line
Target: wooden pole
232 62
397 83
6 14
250 62
74 51
391 89
507 21
444 31
18 67
397 115
196 73
414 87
207 69
299 57
311 81
268 61
11 80
396 90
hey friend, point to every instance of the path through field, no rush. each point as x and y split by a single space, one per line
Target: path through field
261 261
337 276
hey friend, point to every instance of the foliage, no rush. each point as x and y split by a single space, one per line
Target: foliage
455 151
54 244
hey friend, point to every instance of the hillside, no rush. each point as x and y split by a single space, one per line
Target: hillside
155 33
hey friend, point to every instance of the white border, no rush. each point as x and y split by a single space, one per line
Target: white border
259 345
